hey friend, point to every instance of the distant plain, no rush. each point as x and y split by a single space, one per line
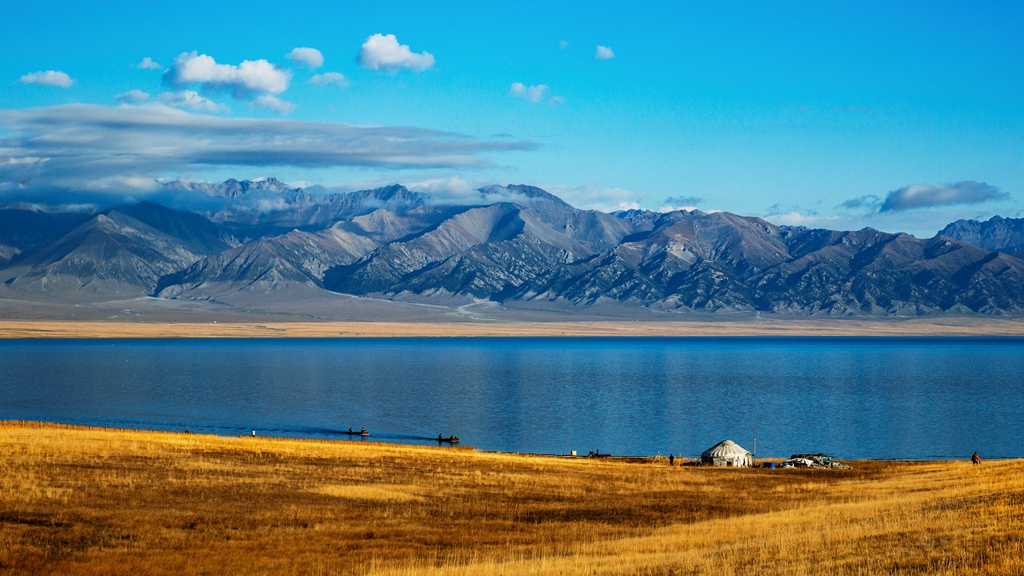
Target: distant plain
949 326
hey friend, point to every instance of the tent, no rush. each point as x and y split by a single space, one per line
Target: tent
727 453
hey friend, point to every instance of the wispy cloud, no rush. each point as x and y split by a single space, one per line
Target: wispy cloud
132 96
329 79
795 216
273 104
868 202
563 44
80 147
309 57
48 78
191 100
592 196
251 76
683 200
603 53
383 52
810 219
674 203
918 196
450 190
148 64
537 93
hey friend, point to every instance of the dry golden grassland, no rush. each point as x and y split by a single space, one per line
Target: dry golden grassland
85 501
951 326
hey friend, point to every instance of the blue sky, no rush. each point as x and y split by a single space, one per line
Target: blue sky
839 115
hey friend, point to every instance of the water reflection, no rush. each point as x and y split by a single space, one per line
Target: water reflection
856 398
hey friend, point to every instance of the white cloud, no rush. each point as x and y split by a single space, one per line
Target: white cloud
563 44
603 53
676 208
536 94
191 100
328 79
132 96
591 196
310 57
272 103
797 219
532 93
450 190
248 77
148 64
48 78
381 52
789 215
926 195
121 184
56 149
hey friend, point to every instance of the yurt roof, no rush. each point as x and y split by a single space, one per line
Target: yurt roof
725 449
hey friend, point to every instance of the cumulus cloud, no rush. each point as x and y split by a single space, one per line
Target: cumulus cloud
190 100
536 94
918 196
309 57
532 93
603 53
148 64
48 78
251 76
82 146
329 79
272 103
132 96
383 52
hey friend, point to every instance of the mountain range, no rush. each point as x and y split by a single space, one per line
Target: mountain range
264 246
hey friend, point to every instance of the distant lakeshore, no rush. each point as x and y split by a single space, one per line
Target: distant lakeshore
692 458
951 326
848 396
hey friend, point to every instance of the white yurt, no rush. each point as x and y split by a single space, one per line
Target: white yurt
726 453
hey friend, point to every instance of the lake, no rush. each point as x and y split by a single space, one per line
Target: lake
905 398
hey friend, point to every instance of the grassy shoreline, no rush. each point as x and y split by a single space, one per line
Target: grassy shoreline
681 460
96 501
953 326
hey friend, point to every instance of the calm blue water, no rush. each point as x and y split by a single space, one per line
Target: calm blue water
850 397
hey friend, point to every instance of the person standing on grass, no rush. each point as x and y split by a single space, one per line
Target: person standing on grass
975 459
671 460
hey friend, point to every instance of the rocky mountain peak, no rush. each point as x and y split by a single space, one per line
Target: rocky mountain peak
997 233
517 245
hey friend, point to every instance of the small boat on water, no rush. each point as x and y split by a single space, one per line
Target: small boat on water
360 432
449 440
